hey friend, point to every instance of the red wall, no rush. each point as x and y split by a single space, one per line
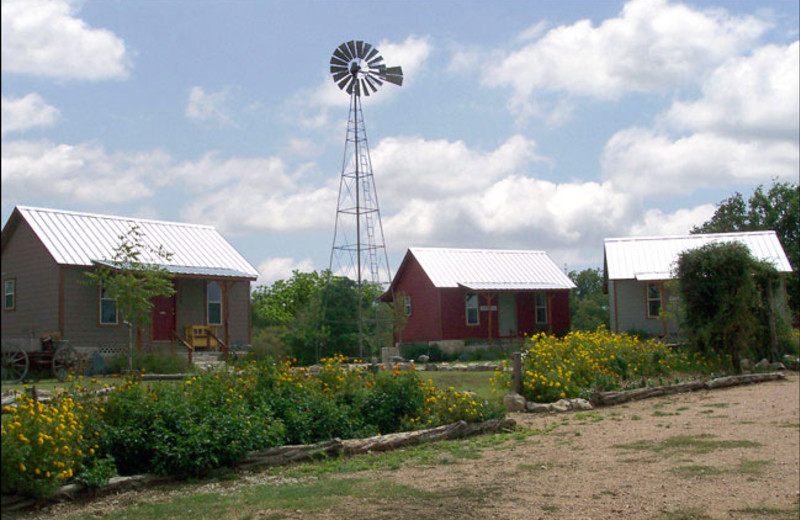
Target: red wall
424 324
440 314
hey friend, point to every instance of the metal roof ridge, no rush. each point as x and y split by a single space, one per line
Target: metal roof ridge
115 217
696 235
476 250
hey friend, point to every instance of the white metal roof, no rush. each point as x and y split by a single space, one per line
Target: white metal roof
487 269
654 258
74 238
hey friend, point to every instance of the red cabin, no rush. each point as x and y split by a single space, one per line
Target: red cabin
451 295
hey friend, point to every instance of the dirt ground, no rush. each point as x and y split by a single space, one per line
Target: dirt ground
730 453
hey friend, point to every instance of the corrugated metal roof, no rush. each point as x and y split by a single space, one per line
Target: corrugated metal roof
74 238
487 269
653 258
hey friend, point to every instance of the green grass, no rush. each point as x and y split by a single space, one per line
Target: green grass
51 385
694 444
477 382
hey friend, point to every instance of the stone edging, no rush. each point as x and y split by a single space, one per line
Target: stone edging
281 455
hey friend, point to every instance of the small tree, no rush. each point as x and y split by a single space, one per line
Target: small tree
132 282
720 285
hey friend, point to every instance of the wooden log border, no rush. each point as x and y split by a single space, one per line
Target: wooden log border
281 455
612 398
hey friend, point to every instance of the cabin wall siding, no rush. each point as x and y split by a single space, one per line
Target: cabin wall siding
26 260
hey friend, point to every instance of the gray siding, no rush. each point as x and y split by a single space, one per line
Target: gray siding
239 313
191 302
27 261
630 311
82 313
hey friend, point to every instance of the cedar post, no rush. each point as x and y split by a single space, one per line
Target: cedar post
516 357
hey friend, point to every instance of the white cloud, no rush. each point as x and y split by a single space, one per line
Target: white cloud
408 167
210 107
650 163
651 45
755 96
82 173
280 268
680 222
20 114
45 38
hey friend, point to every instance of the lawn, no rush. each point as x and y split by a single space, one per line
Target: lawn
477 382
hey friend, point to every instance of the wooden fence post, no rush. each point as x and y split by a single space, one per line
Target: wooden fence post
517 371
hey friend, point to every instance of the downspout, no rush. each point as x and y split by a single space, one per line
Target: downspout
663 307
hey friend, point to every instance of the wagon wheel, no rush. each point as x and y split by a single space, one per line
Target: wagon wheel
15 365
65 360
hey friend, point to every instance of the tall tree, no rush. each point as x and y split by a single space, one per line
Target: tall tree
777 208
588 306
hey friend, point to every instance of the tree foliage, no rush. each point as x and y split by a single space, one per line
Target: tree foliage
778 209
724 291
314 315
588 306
132 281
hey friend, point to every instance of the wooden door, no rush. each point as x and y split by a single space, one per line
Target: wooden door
163 319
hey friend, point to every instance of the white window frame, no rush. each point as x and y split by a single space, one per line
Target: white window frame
10 291
653 299
407 304
213 302
540 306
103 301
469 306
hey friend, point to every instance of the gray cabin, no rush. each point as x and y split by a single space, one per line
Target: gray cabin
46 253
636 269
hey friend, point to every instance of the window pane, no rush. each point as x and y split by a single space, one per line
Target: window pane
108 311
215 314
214 292
654 308
653 292
472 309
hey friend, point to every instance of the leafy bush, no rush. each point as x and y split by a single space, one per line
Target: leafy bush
581 362
47 444
211 420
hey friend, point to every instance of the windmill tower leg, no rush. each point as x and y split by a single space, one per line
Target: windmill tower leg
359 247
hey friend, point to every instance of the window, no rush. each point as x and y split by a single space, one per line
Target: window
214 303
108 308
407 305
10 295
472 309
540 305
653 300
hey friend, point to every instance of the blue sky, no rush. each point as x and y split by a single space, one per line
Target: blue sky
520 125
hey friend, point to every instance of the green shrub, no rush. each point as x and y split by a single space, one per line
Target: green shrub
159 362
394 398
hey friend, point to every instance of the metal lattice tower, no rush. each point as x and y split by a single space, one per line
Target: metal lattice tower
359 249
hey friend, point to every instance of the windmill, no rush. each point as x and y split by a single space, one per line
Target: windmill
358 245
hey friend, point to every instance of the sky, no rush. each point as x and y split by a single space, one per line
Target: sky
543 125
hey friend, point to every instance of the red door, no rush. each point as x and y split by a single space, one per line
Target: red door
163 318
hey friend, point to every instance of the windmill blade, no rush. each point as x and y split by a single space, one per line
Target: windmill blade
345 83
363 87
352 46
370 54
359 49
375 62
335 60
346 55
368 49
336 69
368 80
337 76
